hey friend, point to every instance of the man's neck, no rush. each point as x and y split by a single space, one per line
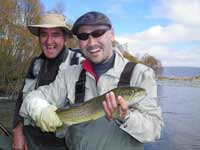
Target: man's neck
101 68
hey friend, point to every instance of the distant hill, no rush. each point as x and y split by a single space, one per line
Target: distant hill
180 71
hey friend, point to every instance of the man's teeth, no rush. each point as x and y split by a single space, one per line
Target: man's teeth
94 50
50 47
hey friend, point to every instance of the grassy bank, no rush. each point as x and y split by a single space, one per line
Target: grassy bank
181 78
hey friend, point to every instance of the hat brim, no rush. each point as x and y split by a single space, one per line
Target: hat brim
34 29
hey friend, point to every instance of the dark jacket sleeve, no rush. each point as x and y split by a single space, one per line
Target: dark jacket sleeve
17 118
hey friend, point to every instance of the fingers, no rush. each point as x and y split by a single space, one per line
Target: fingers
48 120
56 123
123 106
25 147
109 105
18 139
111 101
47 128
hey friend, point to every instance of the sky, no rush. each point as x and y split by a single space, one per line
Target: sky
169 30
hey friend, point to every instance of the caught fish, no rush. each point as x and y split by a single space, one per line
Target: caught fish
93 109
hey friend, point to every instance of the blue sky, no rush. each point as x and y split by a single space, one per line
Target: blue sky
166 29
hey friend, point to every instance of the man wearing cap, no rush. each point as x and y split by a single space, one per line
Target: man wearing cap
102 70
53 35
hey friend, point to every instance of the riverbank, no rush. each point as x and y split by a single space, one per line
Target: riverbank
195 78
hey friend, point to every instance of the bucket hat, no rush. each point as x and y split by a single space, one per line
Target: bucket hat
93 18
50 20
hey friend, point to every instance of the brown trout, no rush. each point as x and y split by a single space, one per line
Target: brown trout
93 109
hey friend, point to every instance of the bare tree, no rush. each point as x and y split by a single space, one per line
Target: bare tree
154 63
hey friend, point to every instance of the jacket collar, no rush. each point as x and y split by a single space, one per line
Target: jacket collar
118 67
86 65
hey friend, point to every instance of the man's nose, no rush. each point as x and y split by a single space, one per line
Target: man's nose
91 40
49 39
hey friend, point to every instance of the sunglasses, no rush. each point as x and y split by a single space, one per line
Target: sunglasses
94 34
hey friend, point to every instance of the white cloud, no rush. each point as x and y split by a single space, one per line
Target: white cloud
167 55
185 12
158 40
164 35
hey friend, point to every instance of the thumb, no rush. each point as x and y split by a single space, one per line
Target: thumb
123 106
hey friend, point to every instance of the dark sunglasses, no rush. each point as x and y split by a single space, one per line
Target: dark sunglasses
94 34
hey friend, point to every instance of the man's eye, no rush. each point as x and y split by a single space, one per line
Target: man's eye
56 34
43 34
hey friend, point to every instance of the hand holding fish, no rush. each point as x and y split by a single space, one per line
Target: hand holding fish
115 105
111 103
48 120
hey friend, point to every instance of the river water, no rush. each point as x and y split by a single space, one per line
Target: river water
181 113
180 102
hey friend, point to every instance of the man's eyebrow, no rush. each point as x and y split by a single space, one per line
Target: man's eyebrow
42 32
57 32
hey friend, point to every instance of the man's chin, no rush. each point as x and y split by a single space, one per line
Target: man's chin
96 61
51 56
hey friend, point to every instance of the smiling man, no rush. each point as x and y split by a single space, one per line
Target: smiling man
53 35
97 53
51 41
104 69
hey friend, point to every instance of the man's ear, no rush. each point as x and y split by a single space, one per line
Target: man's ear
112 35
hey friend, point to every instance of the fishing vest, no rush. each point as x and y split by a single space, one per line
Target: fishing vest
32 83
39 62
36 78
